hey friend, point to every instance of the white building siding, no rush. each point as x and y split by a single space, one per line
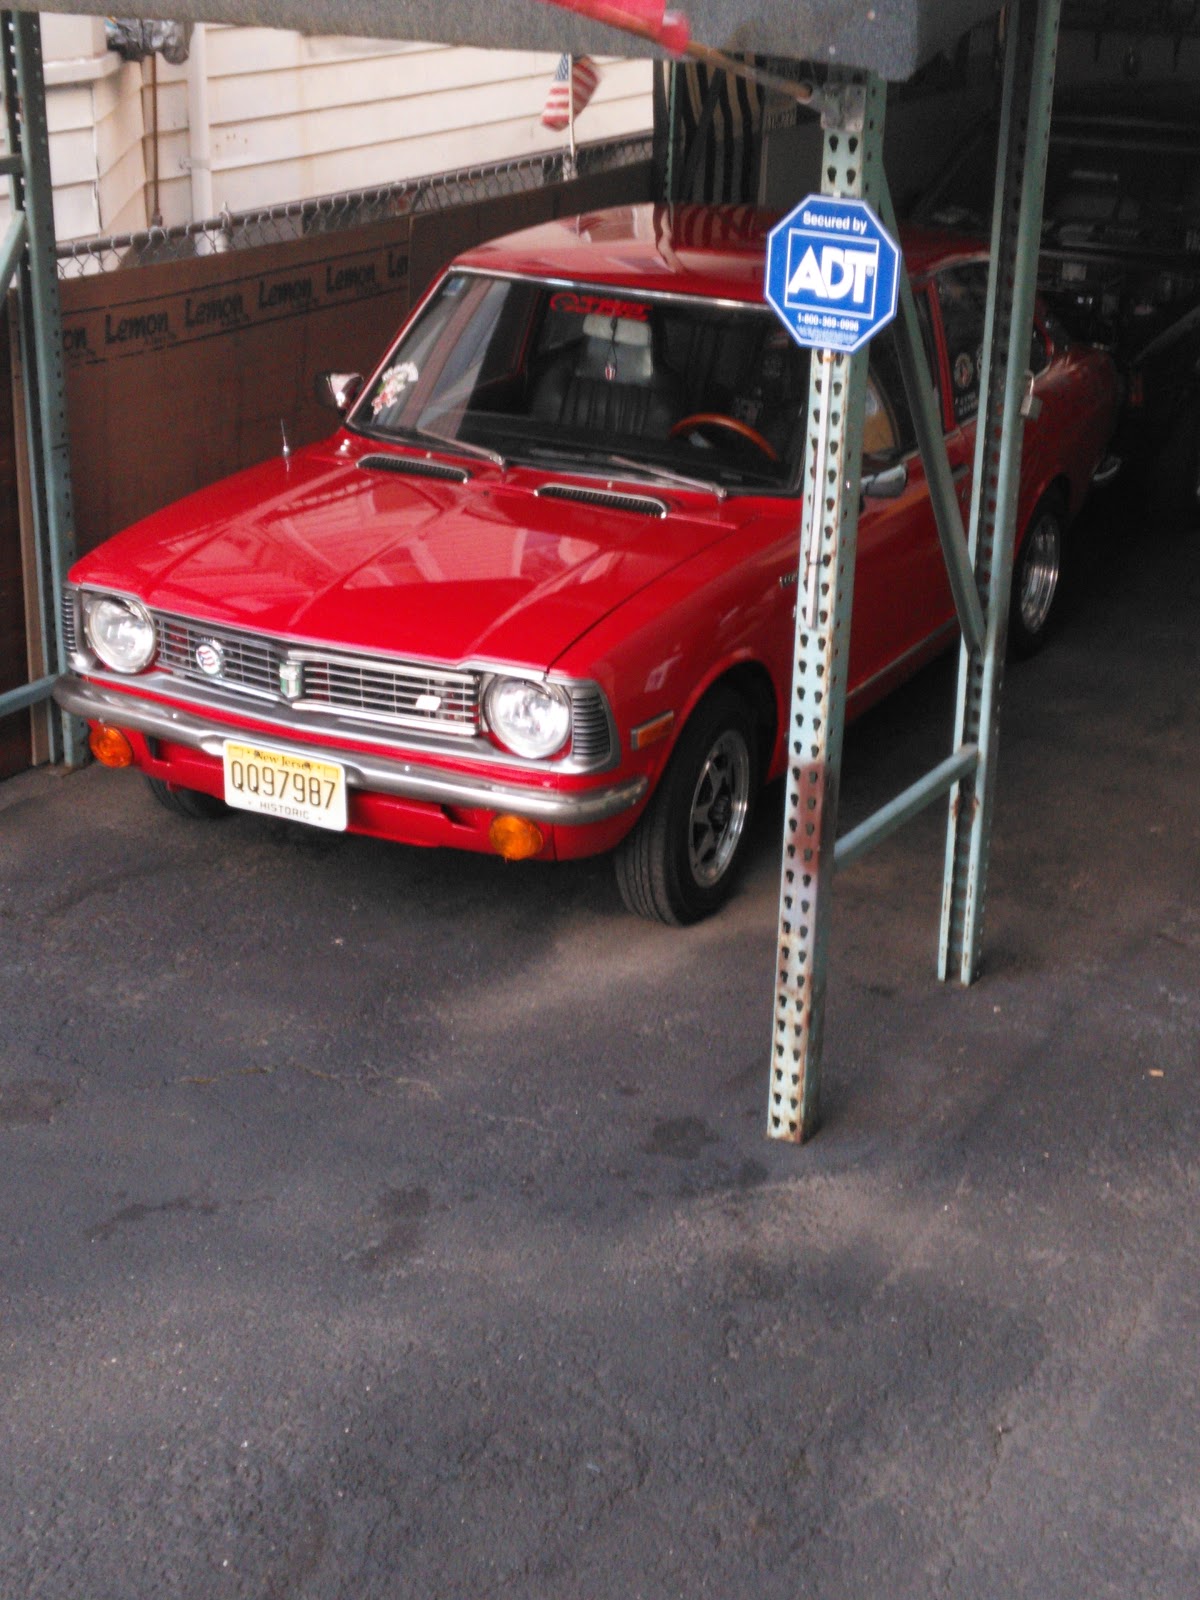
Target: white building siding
293 117
120 161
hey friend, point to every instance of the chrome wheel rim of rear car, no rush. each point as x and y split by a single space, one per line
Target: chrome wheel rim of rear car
1041 564
720 805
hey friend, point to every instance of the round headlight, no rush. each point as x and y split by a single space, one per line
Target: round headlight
532 719
120 631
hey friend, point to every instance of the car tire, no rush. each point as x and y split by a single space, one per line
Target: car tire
681 860
188 803
1037 578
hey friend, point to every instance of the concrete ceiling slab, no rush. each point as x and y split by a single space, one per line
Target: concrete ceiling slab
891 37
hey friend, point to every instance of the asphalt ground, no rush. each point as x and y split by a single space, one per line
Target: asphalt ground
378 1223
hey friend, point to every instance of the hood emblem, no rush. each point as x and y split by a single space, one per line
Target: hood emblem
210 657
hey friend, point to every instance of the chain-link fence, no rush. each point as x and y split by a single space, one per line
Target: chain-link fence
332 213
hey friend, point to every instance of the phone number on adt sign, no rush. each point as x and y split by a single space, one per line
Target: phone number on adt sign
810 319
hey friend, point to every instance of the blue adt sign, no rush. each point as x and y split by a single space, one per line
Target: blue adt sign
833 273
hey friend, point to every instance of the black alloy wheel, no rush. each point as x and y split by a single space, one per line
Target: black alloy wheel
680 862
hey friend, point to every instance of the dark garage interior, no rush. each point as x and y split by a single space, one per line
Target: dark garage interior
395 1222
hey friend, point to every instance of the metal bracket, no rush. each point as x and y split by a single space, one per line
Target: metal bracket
843 108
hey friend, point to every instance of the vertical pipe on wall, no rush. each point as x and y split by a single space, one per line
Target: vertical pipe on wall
199 133
155 202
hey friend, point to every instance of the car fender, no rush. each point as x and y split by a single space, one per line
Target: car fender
657 655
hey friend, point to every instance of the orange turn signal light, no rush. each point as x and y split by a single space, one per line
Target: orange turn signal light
110 747
515 838
651 732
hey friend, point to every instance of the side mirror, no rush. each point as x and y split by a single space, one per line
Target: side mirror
338 391
887 484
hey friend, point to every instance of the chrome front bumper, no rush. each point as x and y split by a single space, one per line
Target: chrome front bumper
380 774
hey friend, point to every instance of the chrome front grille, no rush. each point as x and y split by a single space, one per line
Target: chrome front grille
412 696
403 695
249 662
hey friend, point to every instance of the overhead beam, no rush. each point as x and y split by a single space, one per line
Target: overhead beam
892 38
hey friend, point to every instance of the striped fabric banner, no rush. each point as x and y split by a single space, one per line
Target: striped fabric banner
718 135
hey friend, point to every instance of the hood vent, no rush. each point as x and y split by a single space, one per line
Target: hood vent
638 505
415 467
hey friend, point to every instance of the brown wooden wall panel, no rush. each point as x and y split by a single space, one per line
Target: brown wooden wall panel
180 373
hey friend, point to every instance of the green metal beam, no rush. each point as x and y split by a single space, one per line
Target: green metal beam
931 439
28 168
907 805
1016 228
853 167
979 567
30 694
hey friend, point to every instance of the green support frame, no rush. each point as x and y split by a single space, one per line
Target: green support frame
1031 50
852 165
853 121
979 567
27 256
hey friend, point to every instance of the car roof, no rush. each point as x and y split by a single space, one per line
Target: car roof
716 252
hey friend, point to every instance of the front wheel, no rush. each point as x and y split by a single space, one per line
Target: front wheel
188 803
680 862
1037 579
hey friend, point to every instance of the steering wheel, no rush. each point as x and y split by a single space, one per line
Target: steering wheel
718 419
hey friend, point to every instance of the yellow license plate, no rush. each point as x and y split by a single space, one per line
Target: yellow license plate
277 784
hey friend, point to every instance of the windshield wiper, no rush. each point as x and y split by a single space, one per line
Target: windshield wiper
460 447
649 469
643 469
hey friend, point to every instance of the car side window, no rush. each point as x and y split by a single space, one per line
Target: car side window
962 294
888 427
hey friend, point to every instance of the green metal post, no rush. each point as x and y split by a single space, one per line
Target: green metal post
41 333
672 173
931 440
852 167
1016 228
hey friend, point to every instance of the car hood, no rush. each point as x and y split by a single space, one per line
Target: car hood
321 549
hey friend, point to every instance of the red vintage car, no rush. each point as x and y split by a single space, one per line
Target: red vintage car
536 595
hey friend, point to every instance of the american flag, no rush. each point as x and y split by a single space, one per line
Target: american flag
582 76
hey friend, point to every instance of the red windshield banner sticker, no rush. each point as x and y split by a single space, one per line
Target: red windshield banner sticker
594 305
649 19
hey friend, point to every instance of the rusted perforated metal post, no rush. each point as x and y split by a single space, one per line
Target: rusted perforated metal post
1016 227
852 167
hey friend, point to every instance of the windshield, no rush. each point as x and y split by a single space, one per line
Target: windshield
538 372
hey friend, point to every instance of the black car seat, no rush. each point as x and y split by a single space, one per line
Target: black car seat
609 383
